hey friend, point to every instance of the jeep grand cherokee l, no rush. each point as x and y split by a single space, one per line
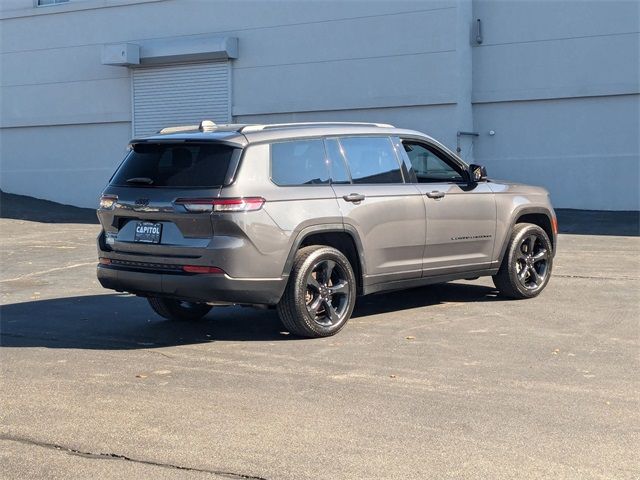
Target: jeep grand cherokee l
305 217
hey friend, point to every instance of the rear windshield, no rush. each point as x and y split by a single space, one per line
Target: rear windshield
175 165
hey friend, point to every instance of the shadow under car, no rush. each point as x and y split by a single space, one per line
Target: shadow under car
122 322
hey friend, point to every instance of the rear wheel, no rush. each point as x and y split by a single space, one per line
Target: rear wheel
179 310
526 266
320 295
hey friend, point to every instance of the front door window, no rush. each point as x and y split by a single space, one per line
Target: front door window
429 167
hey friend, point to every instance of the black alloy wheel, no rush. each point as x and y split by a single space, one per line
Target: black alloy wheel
526 267
320 294
328 291
532 261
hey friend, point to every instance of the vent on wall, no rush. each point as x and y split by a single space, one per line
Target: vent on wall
180 94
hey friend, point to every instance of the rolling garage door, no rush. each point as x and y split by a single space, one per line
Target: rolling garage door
181 94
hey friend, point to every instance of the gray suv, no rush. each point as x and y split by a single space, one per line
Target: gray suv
307 216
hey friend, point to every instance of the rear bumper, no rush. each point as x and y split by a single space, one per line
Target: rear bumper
199 287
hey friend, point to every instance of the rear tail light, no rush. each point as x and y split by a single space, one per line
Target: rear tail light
108 201
247 204
202 269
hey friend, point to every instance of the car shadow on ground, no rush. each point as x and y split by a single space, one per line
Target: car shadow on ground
122 322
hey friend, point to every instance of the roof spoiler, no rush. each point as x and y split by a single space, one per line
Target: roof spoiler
205 126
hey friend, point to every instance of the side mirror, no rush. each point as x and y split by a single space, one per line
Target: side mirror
477 173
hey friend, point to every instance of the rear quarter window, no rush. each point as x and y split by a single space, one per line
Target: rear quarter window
175 165
300 162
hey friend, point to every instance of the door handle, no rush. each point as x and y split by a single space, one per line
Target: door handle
353 197
435 194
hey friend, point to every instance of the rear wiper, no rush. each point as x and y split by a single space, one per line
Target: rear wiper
145 180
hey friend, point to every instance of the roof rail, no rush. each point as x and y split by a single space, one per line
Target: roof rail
259 128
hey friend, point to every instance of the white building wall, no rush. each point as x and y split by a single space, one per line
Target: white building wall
556 81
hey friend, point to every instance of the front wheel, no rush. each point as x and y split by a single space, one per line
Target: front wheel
178 310
321 293
526 266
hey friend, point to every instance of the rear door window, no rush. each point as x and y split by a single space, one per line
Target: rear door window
371 160
175 165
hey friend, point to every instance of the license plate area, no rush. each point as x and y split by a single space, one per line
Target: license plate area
148 232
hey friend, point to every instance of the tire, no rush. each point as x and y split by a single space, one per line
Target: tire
526 267
321 293
178 310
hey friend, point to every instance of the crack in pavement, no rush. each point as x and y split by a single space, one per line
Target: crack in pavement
56 269
116 456
593 277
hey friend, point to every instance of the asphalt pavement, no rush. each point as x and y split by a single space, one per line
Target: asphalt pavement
447 381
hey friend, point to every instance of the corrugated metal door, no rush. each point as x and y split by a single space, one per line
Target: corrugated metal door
181 94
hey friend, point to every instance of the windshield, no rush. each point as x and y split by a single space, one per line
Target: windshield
175 165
